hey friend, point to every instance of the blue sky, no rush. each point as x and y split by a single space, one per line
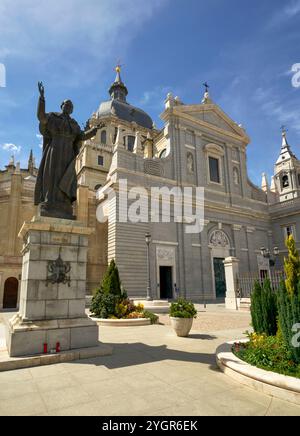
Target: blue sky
244 49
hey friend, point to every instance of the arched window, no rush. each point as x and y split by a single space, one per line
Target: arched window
285 181
10 298
163 154
103 137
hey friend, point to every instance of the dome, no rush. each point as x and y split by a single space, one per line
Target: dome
125 112
119 107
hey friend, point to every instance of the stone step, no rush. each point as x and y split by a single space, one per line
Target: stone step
155 306
245 305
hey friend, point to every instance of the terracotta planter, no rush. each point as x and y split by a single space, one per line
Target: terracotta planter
182 326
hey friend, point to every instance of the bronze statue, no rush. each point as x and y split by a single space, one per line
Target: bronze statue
56 185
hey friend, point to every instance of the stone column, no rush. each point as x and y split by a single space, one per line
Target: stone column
53 288
83 204
231 272
15 202
1 290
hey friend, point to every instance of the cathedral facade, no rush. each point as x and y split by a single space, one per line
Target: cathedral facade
199 146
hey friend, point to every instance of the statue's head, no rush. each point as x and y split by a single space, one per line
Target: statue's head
67 107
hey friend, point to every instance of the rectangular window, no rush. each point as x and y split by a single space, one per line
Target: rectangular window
101 161
289 231
214 170
131 142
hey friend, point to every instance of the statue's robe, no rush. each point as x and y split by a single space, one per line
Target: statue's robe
56 184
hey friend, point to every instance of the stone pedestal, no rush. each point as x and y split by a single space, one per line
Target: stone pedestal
231 272
53 288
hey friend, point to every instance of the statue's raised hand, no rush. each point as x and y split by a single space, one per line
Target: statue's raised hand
41 89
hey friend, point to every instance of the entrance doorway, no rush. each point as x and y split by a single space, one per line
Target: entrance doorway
10 298
166 282
220 280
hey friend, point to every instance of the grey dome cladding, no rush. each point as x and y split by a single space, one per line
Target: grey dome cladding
125 112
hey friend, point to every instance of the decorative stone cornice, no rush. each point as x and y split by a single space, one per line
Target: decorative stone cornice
237 227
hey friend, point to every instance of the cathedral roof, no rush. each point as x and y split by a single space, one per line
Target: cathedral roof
119 107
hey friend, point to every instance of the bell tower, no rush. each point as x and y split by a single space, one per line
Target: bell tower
287 172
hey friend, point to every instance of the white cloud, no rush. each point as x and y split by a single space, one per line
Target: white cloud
62 32
155 98
287 13
292 9
272 106
40 138
11 148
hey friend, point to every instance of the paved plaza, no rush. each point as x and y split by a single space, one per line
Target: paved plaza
151 372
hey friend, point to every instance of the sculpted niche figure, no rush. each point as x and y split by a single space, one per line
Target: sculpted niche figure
56 185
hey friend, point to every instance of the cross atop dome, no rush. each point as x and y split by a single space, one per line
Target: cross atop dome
118 90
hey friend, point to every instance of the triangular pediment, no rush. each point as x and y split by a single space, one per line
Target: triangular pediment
213 115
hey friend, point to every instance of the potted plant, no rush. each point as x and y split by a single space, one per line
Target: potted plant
182 314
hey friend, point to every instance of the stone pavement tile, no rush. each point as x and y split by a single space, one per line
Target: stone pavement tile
126 371
15 376
283 408
46 371
81 365
63 398
106 388
24 405
54 382
145 382
204 387
92 408
236 402
138 404
129 358
174 374
123 405
91 374
14 389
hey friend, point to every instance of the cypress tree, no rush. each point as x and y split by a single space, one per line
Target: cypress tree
108 294
289 299
256 312
264 309
292 266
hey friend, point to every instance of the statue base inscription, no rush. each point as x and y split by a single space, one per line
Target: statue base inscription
53 288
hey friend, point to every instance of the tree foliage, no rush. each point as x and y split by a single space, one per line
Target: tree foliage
289 299
292 266
264 309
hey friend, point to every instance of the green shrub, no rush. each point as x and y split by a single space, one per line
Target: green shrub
256 308
110 301
269 353
289 315
149 315
111 283
264 310
292 266
289 299
182 309
109 295
103 304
